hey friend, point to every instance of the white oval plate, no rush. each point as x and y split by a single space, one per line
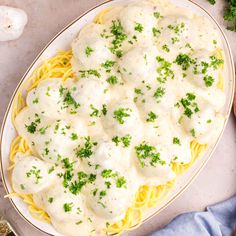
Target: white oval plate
63 41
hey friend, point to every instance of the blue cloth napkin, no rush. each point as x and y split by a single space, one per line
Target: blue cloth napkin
217 220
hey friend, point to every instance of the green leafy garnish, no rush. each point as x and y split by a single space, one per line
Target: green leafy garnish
159 93
184 61
176 141
86 73
68 207
112 80
208 80
34 171
138 27
86 150
146 152
189 105
88 51
164 70
121 113
151 117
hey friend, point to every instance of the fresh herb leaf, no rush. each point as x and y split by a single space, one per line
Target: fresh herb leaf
121 113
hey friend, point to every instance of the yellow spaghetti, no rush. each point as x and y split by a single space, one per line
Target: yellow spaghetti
59 66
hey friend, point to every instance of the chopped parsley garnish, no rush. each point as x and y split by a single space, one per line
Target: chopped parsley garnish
178 28
116 140
164 70
74 136
104 109
208 121
108 65
86 73
208 80
31 128
120 114
43 130
166 48
68 207
86 150
34 171
69 101
159 93
95 111
119 36
151 117
107 173
48 89
176 141
35 101
212 2
146 152
51 169
184 61
138 27
174 40
22 186
108 184
88 51
193 133
138 91
79 222
125 140
155 32
102 194
112 80
120 182
189 105
83 179
50 200
157 14
215 63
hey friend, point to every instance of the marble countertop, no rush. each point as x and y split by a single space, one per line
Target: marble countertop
215 183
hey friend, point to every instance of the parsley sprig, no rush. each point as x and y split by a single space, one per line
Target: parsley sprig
189 104
147 153
121 113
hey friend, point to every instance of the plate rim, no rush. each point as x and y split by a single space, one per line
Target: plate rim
232 67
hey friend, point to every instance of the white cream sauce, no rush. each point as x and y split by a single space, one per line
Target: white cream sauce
146 87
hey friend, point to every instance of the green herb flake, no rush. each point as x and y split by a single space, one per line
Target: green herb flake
34 171
147 152
121 182
159 93
112 80
107 173
35 101
176 141
68 207
74 136
155 32
88 51
151 117
208 80
121 113
193 133
184 61
50 200
138 27
157 14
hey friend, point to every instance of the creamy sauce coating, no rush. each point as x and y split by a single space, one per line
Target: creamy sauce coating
145 88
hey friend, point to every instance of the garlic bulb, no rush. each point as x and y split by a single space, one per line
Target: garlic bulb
12 23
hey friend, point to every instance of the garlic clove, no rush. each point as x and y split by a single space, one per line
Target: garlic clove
12 23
